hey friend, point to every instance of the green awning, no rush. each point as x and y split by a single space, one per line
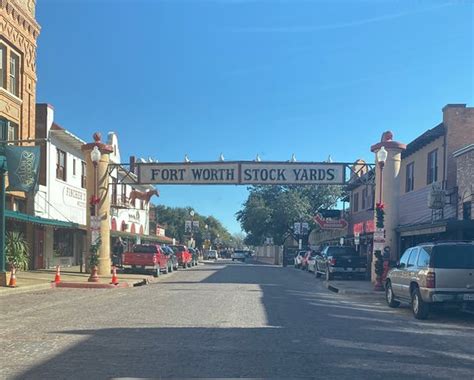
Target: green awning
38 220
154 238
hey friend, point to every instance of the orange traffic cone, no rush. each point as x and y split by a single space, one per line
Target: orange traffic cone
114 276
12 283
57 278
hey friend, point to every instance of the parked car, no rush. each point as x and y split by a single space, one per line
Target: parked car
147 257
433 274
211 254
239 255
184 256
340 260
312 261
299 258
195 257
171 256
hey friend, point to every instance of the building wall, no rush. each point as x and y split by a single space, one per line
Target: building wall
465 180
18 33
459 122
420 160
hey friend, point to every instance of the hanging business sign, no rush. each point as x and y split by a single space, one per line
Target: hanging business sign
23 167
241 173
330 224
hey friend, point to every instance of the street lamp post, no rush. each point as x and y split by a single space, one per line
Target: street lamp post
96 155
191 214
382 155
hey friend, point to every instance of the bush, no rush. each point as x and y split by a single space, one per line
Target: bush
17 250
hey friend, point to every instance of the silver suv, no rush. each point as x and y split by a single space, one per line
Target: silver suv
433 273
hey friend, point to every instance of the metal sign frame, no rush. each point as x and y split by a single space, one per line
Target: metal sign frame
350 173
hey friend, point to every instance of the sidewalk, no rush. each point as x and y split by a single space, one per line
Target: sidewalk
353 287
42 279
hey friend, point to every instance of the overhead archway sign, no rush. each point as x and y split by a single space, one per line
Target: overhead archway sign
241 173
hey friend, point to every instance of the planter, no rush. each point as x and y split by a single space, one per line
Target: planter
93 277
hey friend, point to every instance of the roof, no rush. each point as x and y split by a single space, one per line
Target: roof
424 139
66 137
39 220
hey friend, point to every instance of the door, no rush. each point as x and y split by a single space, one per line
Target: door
409 273
39 248
397 273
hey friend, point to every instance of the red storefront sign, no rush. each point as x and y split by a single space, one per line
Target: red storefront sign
366 227
330 224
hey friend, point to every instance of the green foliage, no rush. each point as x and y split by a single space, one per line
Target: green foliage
380 215
17 250
270 211
378 267
94 256
173 219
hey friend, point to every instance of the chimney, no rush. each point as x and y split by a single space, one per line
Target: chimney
133 165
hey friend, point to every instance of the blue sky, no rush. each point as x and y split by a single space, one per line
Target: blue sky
242 77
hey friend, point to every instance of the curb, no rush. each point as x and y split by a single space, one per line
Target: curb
24 289
350 291
90 285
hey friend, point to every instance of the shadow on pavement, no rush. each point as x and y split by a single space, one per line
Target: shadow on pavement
309 333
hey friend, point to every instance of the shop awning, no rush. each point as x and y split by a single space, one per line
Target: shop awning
38 220
154 238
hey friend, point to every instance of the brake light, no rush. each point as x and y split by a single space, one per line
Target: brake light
430 280
332 261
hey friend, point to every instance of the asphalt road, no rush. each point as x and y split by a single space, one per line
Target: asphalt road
226 320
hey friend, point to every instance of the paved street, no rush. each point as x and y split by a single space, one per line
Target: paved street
223 320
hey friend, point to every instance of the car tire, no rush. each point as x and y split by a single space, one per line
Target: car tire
329 275
419 307
389 296
170 269
317 274
156 272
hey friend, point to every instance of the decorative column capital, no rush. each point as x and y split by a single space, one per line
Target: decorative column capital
387 142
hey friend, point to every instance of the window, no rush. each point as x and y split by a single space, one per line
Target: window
364 199
355 199
61 164
83 175
412 259
73 166
453 256
2 66
8 130
466 210
404 259
432 173
423 258
410 177
14 73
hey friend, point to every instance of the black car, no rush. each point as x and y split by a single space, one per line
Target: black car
341 261
195 258
171 256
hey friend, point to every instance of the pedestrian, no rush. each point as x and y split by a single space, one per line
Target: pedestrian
117 252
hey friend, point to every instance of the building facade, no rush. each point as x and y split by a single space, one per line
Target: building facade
61 196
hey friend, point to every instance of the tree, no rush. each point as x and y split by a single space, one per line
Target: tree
271 211
173 219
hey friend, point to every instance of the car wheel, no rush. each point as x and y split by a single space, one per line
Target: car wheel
389 297
170 269
419 307
317 274
329 275
156 272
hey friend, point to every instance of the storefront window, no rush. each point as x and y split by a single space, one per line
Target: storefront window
466 211
63 245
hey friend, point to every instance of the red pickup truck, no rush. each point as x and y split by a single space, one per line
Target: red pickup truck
185 257
147 257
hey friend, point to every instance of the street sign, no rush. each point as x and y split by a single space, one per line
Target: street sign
196 223
187 226
330 224
297 228
356 238
242 173
379 235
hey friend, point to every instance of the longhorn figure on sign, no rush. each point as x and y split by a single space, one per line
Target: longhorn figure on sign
144 196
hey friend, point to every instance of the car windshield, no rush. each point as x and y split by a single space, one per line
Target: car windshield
145 249
456 256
